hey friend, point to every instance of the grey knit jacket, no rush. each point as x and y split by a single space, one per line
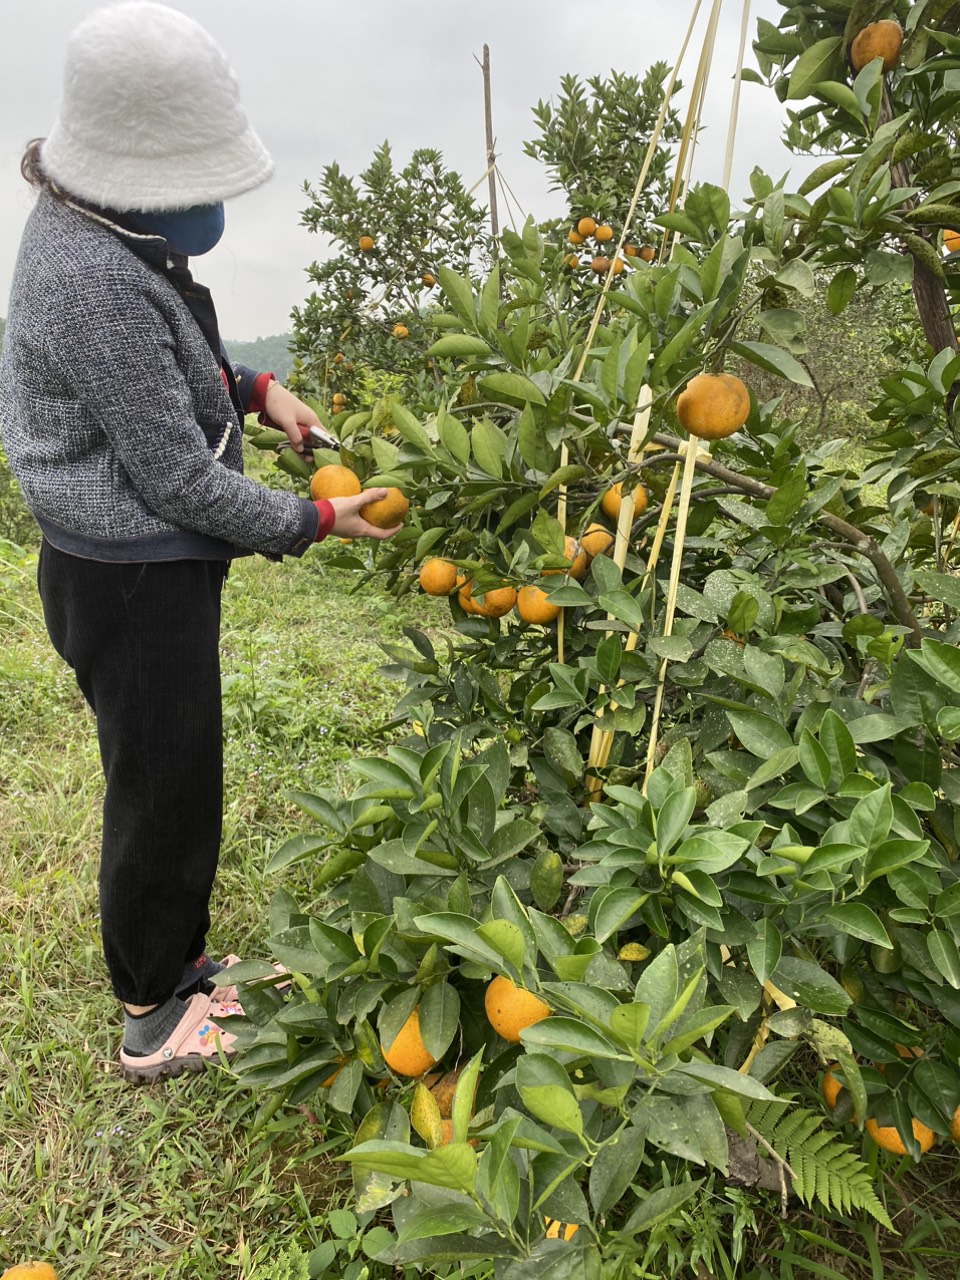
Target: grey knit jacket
114 416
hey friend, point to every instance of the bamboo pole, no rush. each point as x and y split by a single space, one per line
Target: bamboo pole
491 153
735 102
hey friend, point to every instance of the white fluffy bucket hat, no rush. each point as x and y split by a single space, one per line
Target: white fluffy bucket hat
150 117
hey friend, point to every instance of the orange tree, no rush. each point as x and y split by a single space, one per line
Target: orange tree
390 230
781 885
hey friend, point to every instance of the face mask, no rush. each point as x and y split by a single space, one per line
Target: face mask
187 231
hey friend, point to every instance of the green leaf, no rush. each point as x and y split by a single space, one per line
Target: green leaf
761 735
811 986
773 360
439 1018
459 346
556 1106
615 1167
571 1036
658 1205
819 61
511 388
765 950
945 955
459 294
842 288
857 920
505 938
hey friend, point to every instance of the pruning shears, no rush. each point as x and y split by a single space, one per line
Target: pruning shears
313 438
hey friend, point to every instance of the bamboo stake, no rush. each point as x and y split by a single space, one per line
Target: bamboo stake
735 103
690 449
491 154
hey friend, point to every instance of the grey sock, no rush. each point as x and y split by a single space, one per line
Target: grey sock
145 1033
196 976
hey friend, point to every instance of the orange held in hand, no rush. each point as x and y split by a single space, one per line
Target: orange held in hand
407 1055
334 481
713 405
878 40
386 512
510 1009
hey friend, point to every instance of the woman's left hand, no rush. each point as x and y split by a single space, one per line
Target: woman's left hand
290 415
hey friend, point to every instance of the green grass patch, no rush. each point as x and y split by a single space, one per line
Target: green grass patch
99 1178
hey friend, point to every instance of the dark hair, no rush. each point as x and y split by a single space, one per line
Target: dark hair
31 168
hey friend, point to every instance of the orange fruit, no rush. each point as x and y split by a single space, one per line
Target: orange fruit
438 577
338 358
599 265
334 481
597 541
830 1086
338 408
878 40
586 227
339 398
557 1230
510 1009
887 1137
466 600
365 243
443 1091
495 603
400 331
572 262
533 606
955 1126
577 557
630 250
407 1055
610 502
30 1271
713 405
325 1084
388 511
575 237
429 279
951 240
646 253
603 232
618 266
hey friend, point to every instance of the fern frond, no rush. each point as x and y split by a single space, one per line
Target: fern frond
825 1168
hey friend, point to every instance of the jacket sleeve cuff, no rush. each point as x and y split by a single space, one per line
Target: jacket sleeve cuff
258 397
309 527
327 517
247 382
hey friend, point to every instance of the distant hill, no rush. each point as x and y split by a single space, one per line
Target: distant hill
263 354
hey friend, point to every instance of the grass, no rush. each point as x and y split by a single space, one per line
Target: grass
96 1177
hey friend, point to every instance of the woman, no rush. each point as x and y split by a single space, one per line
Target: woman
121 418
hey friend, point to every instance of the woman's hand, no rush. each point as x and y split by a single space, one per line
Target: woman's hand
290 415
349 522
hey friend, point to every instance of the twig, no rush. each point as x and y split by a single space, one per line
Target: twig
863 543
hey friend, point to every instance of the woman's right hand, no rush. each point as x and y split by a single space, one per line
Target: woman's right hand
349 522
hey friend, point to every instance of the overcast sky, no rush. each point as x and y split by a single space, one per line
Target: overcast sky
323 82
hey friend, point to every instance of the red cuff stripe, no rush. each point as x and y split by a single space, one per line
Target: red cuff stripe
258 397
327 517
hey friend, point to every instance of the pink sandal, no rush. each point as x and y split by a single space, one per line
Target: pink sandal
196 1041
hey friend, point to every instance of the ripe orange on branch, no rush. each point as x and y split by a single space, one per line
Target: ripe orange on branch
533 606
586 227
407 1055
882 39
438 577
597 541
887 1137
577 557
510 1009
365 243
386 512
429 279
951 240
496 603
603 232
713 405
400 331
575 237
334 481
599 264
646 253
611 500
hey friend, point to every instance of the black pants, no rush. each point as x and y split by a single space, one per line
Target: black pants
143 641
